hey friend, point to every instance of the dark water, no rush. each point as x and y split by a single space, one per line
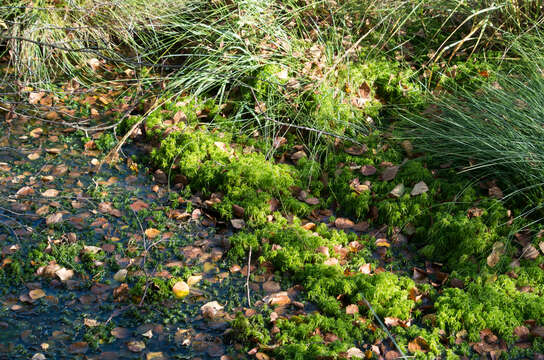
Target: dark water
77 317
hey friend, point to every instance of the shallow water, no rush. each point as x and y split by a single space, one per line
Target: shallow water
90 315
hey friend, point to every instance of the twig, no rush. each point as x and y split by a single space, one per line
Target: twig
247 279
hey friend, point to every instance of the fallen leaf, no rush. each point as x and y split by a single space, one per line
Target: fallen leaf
211 309
54 151
343 223
495 192
120 275
136 346
152 233
35 97
298 155
355 352
538 331
419 188
194 279
365 269
94 63
181 289
138 205
352 309
331 262
91 249
493 259
356 150
408 147
238 210
25 191
64 274
389 173
280 298
155 356
530 252
418 344
271 286
90 322
398 191
80 347
36 294
33 156
54 218
238 223
120 333
50 193
368 170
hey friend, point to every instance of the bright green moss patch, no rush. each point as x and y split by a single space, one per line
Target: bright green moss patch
498 306
246 179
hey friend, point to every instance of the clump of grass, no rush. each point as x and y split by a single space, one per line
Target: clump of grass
494 132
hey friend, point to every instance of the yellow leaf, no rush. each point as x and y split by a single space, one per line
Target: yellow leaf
181 289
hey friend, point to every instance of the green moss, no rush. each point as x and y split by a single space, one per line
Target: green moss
159 290
250 330
497 306
213 165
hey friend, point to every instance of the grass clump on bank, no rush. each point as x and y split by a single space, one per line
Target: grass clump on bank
494 134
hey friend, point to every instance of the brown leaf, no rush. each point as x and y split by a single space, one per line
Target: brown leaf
90 322
64 274
80 347
107 208
312 201
389 173
279 141
50 193
25 191
211 309
398 191
54 218
180 116
238 223
343 223
280 298
298 155
54 151
495 192
474 212
530 252
538 331
365 269
352 309
139 205
120 333
355 352
152 233
419 188
356 150
238 210
493 259
418 344
271 286
33 156
368 170
522 333
35 97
